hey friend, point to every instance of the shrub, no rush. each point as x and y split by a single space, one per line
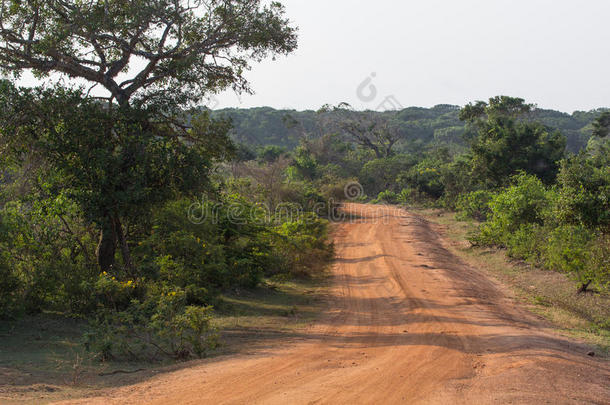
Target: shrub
406 196
301 247
568 251
474 205
10 297
162 326
47 253
425 178
114 294
600 261
527 243
584 193
525 202
386 196
228 245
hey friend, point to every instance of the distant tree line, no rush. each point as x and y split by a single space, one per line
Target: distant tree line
439 125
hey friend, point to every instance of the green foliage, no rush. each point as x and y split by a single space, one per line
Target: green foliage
600 261
561 229
505 147
525 202
161 326
425 127
406 196
474 205
301 247
10 291
527 243
270 153
601 126
114 164
584 193
185 50
568 250
48 251
305 164
508 143
456 177
387 196
381 174
425 177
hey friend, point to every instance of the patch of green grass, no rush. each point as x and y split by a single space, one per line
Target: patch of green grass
279 308
549 294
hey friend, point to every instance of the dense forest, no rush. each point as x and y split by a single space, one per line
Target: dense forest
439 125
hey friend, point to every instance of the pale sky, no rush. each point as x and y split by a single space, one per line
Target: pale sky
555 53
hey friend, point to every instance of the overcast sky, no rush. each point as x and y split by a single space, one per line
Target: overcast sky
386 54
425 52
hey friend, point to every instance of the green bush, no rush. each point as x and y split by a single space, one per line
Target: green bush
228 246
525 202
11 302
386 196
301 247
425 177
527 243
600 261
47 250
162 326
474 205
584 193
568 250
406 196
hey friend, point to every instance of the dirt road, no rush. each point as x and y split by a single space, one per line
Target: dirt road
407 323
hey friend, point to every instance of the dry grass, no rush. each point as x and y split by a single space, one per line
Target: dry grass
547 293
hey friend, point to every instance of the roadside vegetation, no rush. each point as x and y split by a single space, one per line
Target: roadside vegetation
157 230
131 215
547 293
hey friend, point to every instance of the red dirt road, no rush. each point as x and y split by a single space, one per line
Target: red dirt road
407 323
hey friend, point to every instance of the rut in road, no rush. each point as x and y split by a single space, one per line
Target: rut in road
407 323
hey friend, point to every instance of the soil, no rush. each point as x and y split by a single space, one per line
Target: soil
407 322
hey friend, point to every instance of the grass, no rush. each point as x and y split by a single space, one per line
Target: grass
42 358
279 308
549 294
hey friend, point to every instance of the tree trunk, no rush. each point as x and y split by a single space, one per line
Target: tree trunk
583 287
378 153
106 246
123 244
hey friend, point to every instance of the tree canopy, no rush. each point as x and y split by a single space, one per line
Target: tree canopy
176 49
507 143
154 58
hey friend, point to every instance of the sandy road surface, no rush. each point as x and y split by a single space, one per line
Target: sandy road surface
407 323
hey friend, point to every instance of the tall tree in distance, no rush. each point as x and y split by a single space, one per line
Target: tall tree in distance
508 142
153 58
368 129
601 126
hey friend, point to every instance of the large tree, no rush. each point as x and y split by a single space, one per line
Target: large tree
368 129
152 58
509 142
178 49
601 126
